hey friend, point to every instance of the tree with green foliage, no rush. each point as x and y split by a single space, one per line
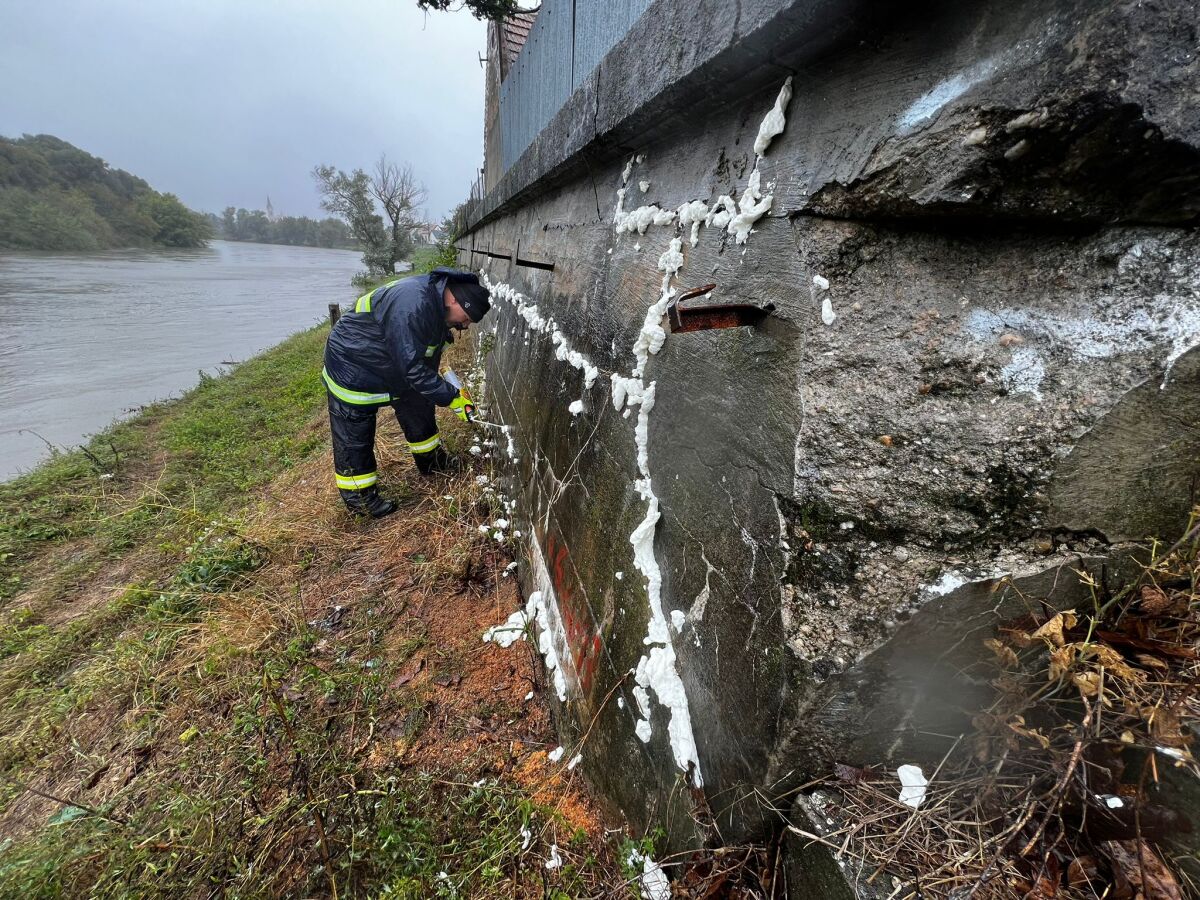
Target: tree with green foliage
176 225
297 231
397 191
54 196
352 196
480 9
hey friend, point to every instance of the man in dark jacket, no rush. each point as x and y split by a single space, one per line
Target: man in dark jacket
386 353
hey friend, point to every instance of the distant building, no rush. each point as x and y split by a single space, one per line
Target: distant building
428 234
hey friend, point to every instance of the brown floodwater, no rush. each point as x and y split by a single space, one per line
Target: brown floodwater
86 338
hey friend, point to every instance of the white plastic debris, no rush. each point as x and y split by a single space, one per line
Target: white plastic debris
556 754
912 785
555 860
526 837
821 282
655 883
529 696
575 760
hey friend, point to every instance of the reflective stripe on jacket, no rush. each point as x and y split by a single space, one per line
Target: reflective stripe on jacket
393 341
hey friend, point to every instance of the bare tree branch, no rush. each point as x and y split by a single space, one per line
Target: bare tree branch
399 194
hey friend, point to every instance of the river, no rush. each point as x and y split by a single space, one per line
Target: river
88 337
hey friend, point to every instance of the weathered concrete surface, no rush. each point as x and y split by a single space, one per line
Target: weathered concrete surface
814 868
1002 201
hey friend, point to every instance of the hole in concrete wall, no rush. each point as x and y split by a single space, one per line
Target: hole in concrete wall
534 264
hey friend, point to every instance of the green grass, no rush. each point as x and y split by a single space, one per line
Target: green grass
223 438
197 729
426 259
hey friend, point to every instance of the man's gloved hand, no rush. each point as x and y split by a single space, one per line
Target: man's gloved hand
463 407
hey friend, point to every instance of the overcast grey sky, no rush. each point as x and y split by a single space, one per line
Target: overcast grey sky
226 101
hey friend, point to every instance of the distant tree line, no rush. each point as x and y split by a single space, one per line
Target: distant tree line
54 196
256 226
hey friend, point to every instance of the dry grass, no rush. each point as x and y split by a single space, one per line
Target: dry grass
1064 790
280 700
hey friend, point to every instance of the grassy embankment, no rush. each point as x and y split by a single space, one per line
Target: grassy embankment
214 682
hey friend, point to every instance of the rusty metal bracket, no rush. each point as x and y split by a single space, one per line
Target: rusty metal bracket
713 315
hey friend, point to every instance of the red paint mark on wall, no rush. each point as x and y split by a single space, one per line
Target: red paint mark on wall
579 631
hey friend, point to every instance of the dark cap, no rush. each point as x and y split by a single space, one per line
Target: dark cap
473 298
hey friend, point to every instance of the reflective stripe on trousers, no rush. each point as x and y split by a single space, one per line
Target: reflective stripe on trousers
426 445
356 482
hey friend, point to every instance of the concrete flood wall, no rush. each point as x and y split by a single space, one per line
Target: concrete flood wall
757 550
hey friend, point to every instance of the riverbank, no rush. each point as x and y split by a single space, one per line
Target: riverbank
214 682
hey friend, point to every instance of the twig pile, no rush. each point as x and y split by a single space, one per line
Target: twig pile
1063 789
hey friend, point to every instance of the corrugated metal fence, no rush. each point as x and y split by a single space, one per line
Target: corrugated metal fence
567 42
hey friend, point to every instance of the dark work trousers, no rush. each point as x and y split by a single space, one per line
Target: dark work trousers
352 427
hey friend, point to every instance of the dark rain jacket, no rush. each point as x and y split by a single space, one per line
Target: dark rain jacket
394 339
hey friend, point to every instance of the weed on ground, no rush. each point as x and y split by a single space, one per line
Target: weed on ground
215 682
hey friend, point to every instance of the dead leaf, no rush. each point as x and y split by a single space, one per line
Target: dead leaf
1060 662
1052 631
1004 653
1017 724
1153 600
851 774
1087 682
1166 649
1113 662
1081 871
1165 727
409 674
1016 637
1142 868
1153 662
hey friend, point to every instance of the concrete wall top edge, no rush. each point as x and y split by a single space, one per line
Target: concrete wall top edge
627 100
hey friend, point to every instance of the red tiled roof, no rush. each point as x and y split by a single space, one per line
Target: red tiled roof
514 31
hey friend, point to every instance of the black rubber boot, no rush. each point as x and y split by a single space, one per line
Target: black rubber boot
436 462
368 503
